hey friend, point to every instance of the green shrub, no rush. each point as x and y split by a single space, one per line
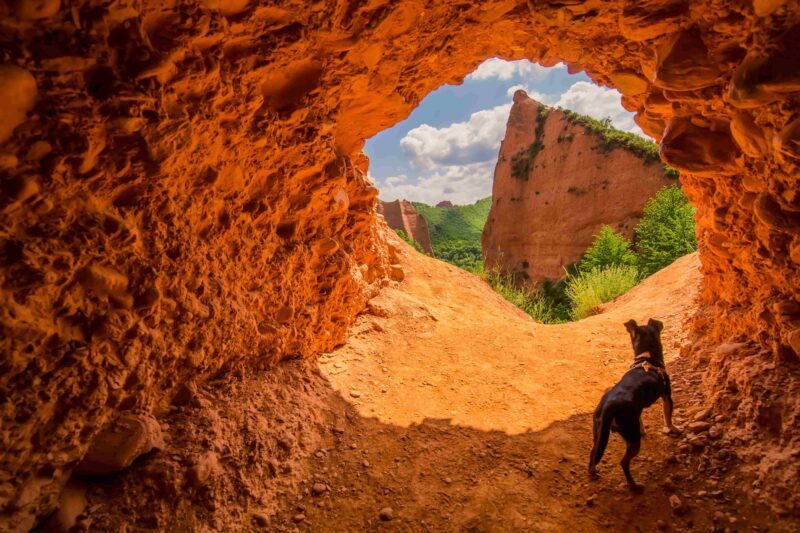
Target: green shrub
463 254
587 290
417 246
533 302
666 231
609 248
611 137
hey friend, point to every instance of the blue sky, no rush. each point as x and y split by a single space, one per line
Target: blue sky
447 148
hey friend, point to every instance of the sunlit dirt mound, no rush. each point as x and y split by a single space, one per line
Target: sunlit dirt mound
183 193
447 409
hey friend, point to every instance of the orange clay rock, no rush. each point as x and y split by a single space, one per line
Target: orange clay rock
555 185
401 214
204 174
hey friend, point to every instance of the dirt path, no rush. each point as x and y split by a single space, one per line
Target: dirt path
458 412
447 410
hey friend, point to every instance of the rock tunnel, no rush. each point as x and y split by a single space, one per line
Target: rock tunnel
184 193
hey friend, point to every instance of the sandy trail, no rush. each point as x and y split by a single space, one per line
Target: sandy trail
458 412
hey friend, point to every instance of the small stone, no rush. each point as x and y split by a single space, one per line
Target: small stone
676 504
120 443
318 489
396 273
698 427
365 464
702 415
660 524
299 517
590 500
714 432
355 394
260 519
448 480
386 514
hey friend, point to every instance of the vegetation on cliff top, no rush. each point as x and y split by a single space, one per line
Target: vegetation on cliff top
611 138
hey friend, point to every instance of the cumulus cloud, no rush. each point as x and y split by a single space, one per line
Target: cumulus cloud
496 68
536 95
461 184
598 102
476 140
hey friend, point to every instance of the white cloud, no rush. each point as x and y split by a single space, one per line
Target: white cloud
536 95
496 68
461 184
598 102
473 141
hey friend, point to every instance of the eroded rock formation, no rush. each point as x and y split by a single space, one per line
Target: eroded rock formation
183 190
555 186
402 215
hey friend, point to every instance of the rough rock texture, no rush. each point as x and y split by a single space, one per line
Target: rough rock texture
547 207
401 214
187 193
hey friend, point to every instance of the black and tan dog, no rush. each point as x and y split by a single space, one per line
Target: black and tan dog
621 407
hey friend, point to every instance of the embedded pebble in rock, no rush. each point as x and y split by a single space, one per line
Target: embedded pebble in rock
676 504
386 514
119 444
18 94
698 427
702 415
318 489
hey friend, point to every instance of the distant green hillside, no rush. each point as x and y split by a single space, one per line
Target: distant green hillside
456 232
459 223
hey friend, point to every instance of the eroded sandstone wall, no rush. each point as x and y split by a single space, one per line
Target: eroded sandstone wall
401 214
554 188
183 190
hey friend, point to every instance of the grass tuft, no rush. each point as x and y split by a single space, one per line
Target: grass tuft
588 290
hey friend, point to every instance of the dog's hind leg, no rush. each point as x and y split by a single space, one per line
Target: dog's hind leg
630 452
602 428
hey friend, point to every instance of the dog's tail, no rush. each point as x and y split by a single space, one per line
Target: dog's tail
602 429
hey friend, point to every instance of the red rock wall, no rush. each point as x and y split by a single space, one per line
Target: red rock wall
183 191
544 218
401 214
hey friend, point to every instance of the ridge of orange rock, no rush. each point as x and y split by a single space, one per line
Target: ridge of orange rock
548 205
402 215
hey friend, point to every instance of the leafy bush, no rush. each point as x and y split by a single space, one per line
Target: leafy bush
587 290
417 246
609 248
463 254
533 302
666 231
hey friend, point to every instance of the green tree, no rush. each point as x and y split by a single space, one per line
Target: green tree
609 248
666 231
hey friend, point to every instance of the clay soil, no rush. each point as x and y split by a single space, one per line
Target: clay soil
446 410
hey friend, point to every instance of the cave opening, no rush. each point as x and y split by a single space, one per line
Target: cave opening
184 198
533 177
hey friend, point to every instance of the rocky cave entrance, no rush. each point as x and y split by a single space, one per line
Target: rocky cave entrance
542 198
184 195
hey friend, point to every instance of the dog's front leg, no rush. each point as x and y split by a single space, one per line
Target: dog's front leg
671 428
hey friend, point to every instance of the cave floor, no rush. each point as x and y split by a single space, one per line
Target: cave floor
447 410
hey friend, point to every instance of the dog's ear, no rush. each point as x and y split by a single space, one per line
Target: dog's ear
631 326
656 325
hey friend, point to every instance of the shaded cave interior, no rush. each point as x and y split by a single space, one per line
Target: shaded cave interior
185 193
